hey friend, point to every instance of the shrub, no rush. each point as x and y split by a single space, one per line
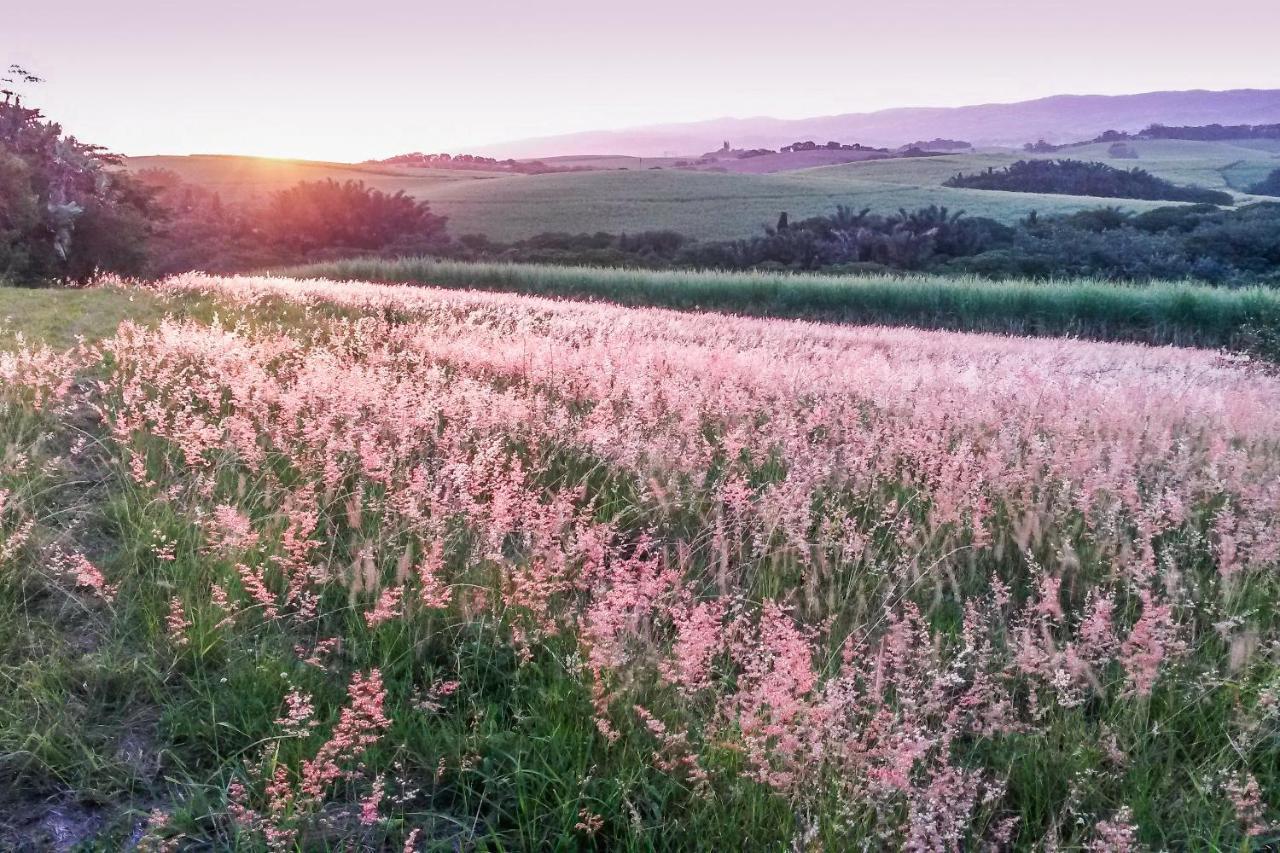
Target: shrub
327 215
1076 177
64 213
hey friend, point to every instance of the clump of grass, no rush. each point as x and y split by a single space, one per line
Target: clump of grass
1182 314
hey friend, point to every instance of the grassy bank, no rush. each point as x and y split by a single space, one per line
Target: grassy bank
1164 313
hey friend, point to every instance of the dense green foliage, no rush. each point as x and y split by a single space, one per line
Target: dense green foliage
64 214
1236 247
1158 313
1076 177
68 212
308 221
1199 133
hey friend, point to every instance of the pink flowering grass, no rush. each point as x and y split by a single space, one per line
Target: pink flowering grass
573 570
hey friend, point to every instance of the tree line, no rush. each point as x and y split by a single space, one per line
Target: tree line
69 211
1203 242
1077 177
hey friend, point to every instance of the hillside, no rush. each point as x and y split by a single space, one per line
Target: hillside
1060 118
720 206
627 194
709 205
247 177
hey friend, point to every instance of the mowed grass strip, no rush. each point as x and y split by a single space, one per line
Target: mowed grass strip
1162 313
60 316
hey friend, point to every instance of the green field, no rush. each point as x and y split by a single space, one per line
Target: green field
626 196
61 318
708 206
249 177
1163 313
1232 165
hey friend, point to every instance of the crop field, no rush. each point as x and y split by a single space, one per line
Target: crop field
1156 313
308 565
242 178
1228 166
711 206
704 205
625 195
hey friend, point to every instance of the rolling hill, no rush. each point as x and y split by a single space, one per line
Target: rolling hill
237 177
709 205
1060 118
628 195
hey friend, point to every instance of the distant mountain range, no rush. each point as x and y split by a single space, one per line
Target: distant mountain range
1057 119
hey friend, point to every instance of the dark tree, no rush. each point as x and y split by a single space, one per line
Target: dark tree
1076 177
65 212
331 216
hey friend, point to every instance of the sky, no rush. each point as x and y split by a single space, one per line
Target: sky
348 80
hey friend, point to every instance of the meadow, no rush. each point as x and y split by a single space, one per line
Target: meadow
1227 165
1157 313
302 564
238 178
628 196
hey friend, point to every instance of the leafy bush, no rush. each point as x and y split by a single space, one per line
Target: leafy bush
327 215
1234 247
64 212
1076 177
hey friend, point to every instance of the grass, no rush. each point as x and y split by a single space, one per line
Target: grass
1168 313
1214 165
1223 165
708 205
627 196
60 316
704 205
102 718
238 177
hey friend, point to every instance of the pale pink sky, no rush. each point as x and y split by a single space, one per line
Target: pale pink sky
352 80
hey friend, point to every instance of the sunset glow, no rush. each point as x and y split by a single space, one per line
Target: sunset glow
660 426
313 80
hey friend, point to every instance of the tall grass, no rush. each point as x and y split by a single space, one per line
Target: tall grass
1125 686
1163 313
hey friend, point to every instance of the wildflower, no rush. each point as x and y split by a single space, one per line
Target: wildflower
369 805
388 607
359 726
88 576
1117 835
177 623
588 822
253 583
222 603
432 589
230 530
299 719
1153 637
1246 798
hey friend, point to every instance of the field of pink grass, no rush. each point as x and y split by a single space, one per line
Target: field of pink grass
791 585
